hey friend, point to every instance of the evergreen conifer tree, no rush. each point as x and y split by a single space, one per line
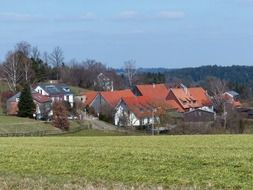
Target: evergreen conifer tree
26 106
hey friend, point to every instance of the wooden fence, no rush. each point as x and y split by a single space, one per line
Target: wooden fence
45 132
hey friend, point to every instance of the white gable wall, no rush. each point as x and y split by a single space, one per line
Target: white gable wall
41 91
69 98
122 111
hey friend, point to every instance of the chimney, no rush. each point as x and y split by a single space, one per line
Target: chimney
184 88
112 87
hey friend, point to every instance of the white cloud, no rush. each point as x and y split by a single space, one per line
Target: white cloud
17 17
129 15
89 16
169 15
20 17
138 16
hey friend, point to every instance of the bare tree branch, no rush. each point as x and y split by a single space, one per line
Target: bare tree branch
56 59
130 71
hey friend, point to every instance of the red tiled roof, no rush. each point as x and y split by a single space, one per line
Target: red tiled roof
237 104
175 105
200 95
40 98
185 99
90 96
113 97
143 106
158 91
189 98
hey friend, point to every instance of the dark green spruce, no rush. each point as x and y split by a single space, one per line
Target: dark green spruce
26 105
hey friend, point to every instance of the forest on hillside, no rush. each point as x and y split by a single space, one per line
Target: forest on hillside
235 74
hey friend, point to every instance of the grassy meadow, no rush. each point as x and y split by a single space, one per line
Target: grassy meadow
176 162
12 124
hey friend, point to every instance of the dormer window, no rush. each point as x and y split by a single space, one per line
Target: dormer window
66 89
184 102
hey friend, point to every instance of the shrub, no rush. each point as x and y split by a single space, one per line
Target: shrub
60 116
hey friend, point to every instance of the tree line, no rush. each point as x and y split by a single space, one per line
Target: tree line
26 63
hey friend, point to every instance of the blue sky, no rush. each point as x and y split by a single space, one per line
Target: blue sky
157 33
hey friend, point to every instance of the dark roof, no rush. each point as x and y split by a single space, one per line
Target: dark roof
36 96
13 98
55 89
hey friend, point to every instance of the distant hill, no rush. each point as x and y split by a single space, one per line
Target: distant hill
147 70
154 70
235 74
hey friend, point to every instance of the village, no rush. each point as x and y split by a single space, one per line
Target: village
149 107
126 95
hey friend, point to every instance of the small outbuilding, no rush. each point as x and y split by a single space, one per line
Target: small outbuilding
199 115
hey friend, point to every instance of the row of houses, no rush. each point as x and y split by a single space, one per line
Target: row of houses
43 96
140 106
145 103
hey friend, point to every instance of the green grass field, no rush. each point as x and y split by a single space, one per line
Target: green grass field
78 90
95 133
176 162
12 124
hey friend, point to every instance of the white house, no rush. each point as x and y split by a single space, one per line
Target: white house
57 92
136 111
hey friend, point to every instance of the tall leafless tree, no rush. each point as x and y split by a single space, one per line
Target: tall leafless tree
56 58
130 71
12 71
23 50
217 88
35 53
45 57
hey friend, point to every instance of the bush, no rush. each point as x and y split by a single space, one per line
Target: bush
105 118
4 96
60 116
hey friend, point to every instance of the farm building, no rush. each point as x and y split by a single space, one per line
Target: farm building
138 111
103 82
199 115
181 98
106 101
233 98
154 91
185 99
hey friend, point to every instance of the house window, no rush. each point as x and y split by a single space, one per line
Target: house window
184 102
67 98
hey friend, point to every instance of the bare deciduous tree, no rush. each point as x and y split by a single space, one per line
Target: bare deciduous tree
35 53
130 71
216 89
23 50
56 59
45 57
12 71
